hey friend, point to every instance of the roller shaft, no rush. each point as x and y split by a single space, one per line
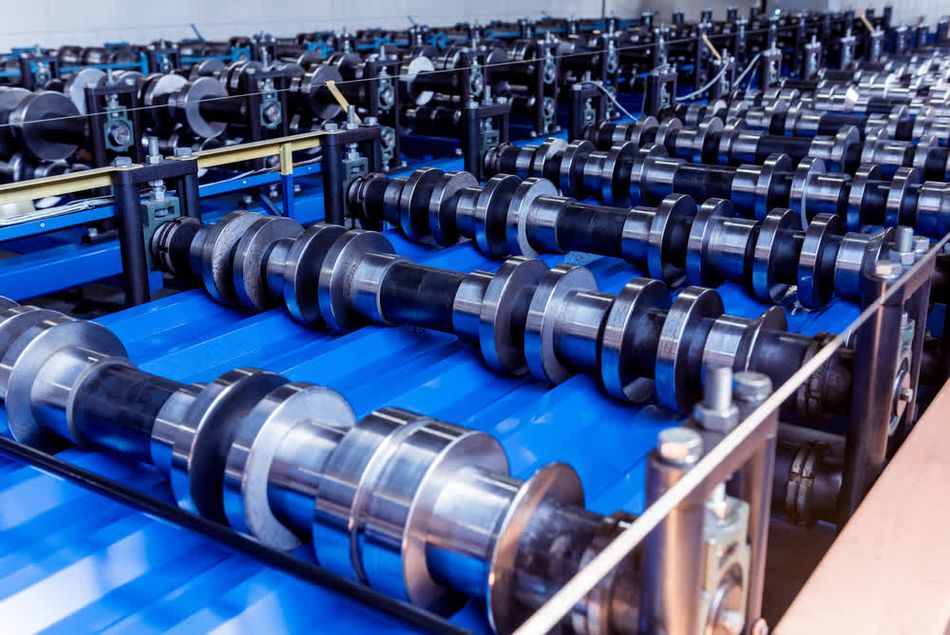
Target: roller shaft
431 508
551 322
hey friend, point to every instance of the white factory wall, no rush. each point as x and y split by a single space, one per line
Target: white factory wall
691 8
906 11
56 22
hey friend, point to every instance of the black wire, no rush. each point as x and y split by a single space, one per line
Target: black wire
225 536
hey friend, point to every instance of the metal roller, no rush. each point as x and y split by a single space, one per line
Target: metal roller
45 124
416 508
808 188
552 323
670 241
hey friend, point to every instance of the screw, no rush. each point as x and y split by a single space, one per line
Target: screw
154 155
122 162
717 391
680 446
751 387
718 502
904 239
921 244
760 627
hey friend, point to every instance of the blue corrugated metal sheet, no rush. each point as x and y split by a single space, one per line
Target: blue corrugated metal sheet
71 561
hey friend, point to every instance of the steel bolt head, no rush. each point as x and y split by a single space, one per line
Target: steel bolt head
679 446
716 420
760 627
716 411
921 244
751 387
887 269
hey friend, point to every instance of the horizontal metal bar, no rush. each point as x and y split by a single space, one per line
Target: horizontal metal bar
54 222
58 185
258 149
63 184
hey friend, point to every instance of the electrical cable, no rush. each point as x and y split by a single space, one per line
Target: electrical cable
612 99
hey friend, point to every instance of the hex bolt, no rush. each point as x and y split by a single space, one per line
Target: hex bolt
921 244
154 155
751 387
904 245
760 627
679 446
716 411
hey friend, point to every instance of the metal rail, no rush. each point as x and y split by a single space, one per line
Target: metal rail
62 184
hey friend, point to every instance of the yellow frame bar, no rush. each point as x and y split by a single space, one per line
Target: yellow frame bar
284 147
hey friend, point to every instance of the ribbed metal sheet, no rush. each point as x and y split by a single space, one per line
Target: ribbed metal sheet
71 561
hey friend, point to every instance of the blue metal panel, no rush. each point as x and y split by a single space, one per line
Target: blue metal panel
56 268
74 562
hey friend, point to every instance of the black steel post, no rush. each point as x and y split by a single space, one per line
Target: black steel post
131 241
575 118
96 122
470 139
188 194
332 169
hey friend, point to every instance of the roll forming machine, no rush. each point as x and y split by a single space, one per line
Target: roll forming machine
419 83
661 286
